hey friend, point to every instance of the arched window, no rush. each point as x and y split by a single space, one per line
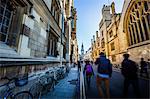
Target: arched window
138 21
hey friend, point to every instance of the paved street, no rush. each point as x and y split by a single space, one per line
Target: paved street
66 88
116 87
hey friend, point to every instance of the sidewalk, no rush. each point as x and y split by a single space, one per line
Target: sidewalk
66 88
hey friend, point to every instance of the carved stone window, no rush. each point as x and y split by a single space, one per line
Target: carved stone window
137 25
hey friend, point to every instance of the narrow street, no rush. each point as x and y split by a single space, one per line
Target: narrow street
44 42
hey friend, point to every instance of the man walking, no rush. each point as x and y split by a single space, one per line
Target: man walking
104 73
129 71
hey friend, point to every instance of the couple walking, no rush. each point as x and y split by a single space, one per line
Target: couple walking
104 70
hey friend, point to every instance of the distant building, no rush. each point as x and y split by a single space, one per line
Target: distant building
95 47
88 55
73 43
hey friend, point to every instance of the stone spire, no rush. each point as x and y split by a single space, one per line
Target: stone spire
82 49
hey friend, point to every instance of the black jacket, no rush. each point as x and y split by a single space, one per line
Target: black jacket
129 69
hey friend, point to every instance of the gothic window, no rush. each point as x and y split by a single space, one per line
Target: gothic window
5 20
138 22
112 45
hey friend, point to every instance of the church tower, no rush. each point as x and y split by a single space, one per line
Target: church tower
82 50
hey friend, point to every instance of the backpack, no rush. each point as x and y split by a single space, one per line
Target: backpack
105 67
89 69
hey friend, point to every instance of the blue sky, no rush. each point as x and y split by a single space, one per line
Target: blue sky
88 18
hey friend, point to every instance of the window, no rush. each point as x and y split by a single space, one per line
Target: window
98 44
5 19
52 45
113 58
110 34
102 33
138 25
112 46
102 43
55 11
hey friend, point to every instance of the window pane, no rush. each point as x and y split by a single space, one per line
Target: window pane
130 40
1 10
4 29
148 18
7 14
145 28
3 3
2 37
145 6
0 19
141 32
133 34
138 38
6 21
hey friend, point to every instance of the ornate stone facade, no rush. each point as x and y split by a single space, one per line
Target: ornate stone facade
125 32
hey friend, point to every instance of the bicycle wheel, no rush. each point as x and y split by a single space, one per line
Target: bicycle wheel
23 95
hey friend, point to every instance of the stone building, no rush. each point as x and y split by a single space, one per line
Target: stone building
112 36
125 32
135 22
95 46
35 32
74 43
87 55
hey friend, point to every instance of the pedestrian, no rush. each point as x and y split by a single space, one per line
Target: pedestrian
88 71
129 71
79 66
144 67
104 73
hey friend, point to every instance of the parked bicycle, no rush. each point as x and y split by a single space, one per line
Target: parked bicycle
45 83
8 92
